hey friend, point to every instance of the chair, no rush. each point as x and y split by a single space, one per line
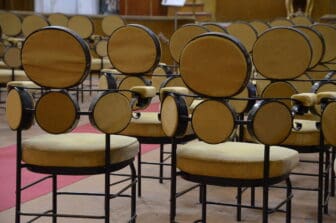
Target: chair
58 19
282 71
31 23
213 159
60 151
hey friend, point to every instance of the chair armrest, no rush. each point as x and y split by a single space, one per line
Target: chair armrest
177 90
144 91
325 95
305 99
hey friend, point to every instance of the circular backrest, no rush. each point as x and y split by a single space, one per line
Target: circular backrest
101 48
215 65
281 22
56 57
282 53
181 37
316 42
110 23
19 109
322 86
2 49
82 25
110 112
244 32
243 102
213 121
328 123
266 127
260 26
302 20
158 77
214 27
58 19
10 24
328 33
33 22
174 116
302 84
57 112
107 81
12 57
279 89
134 49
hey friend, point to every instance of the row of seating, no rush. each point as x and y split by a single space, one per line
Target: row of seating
216 67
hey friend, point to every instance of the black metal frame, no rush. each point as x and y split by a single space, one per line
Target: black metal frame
202 181
54 171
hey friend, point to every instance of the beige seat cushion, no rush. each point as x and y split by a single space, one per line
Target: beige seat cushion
6 75
96 64
24 84
148 125
3 65
77 150
308 135
235 160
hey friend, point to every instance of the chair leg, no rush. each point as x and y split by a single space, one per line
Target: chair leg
289 201
54 198
327 170
18 176
204 202
133 194
333 177
239 202
173 183
320 187
161 163
139 171
107 196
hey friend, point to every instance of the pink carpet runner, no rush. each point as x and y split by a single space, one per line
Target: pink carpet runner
8 167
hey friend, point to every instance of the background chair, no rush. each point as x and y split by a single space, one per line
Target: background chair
211 160
59 151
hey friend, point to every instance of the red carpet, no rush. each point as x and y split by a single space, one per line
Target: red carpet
7 173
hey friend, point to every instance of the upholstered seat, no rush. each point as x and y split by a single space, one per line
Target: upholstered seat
239 160
23 84
6 75
88 149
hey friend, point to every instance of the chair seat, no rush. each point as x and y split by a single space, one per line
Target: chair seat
308 135
220 160
6 75
148 125
77 150
96 64
3 65
23 84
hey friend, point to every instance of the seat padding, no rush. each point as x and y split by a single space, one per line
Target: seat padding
148 125
77 150
308 135
6 75
234 160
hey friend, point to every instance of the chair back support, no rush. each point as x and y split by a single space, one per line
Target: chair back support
112 22
282 53
134 49
82 25
67 65
181 37
33 22
328 123
302 20
12 57
245 32
10 23
260 26
328 33
281 22
215 27
58 19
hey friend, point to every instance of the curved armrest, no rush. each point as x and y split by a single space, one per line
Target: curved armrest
178 90
305 99
144 91
325 95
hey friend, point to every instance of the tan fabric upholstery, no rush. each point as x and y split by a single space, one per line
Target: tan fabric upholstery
225 60
244 32
328 32
96 64
260 26
10 23
86 149
276 52
31 23
234 160
144 91
325 94
328 123
302 20
178 90
214 27
281 22
307 99
58 19
110 23
82 25
6 75
24 84
148 125
308 135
